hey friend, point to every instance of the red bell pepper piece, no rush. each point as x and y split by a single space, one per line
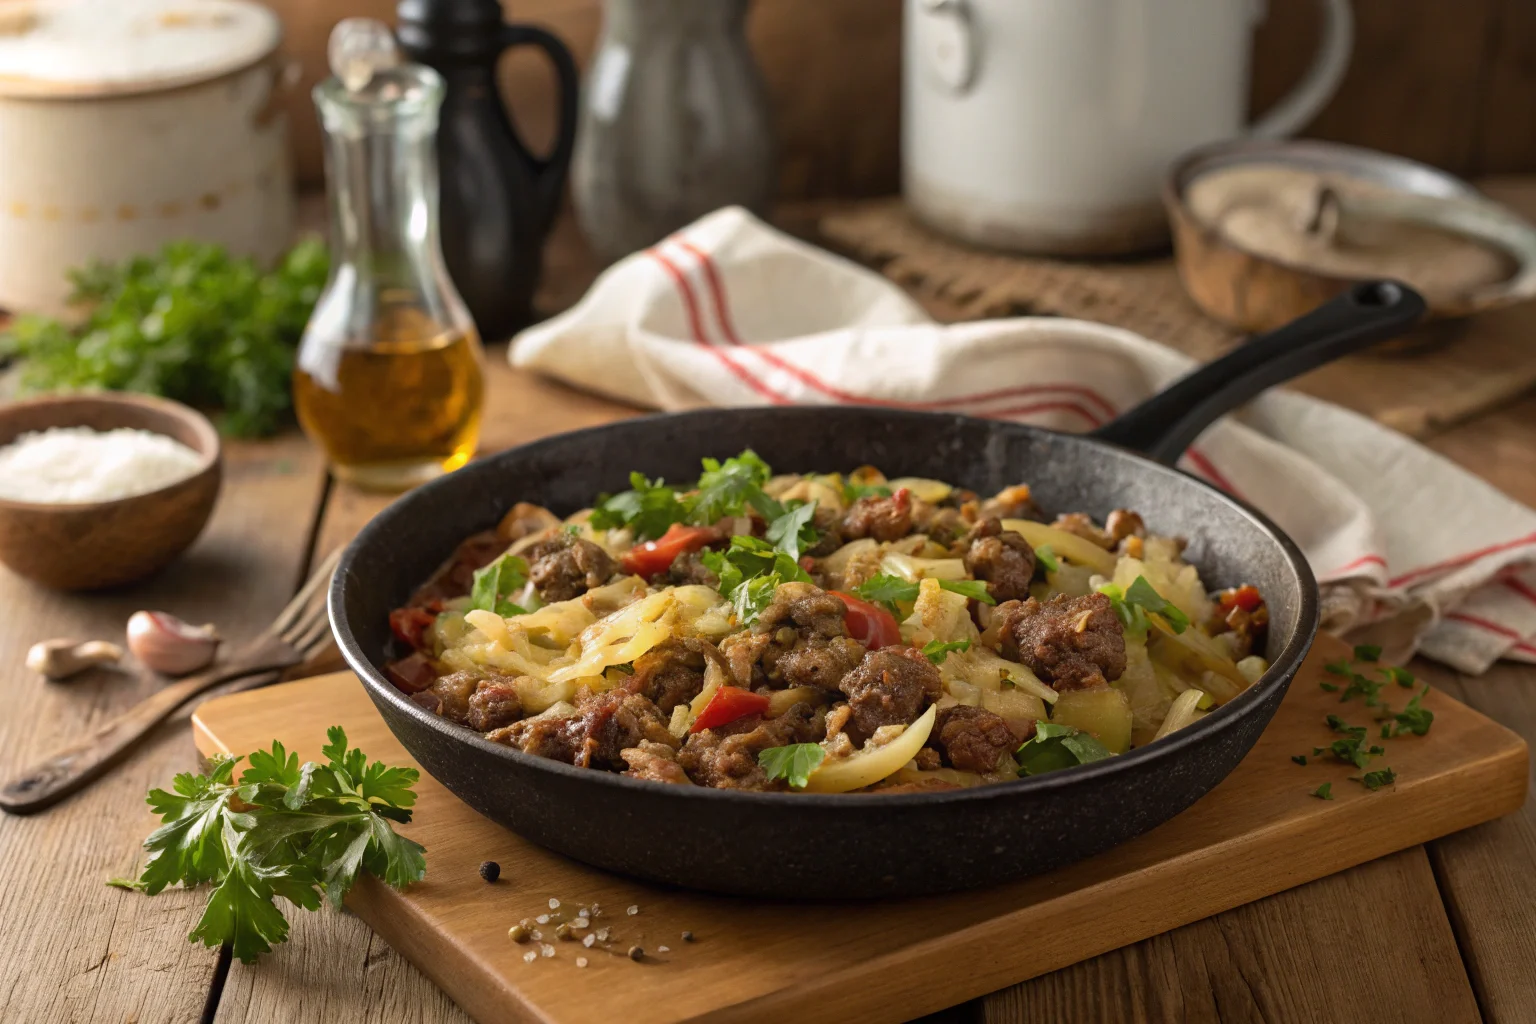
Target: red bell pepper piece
728 704
410 625
869 624
1245 597
656 556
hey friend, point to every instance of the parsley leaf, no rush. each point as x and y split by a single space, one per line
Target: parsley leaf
1142 593
888 590
1324 792
1330 687
496 583
852 492
1375 780
1414 718
1350 752
649 507
190 322
298 829
793 763
1047 558
976 590
1339 668
725 487
938 650
1338 724
1054 747
1300 759
791 531
1401 676
1368 652
750 570
1359 685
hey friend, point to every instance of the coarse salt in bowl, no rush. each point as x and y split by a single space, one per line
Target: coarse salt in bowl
78 465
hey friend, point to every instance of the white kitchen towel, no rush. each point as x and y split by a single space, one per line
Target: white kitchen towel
1411 550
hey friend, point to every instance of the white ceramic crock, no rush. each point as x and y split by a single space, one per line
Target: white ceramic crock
1047 125
103 156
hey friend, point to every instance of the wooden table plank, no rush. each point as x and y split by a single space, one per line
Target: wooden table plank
1331 950
1485 873
70 948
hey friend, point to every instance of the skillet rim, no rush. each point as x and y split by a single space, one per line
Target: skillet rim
1278 675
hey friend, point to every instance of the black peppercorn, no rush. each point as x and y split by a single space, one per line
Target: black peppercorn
687 936
490 871
636 953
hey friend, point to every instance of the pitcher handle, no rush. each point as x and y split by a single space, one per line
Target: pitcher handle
1322 79
551 168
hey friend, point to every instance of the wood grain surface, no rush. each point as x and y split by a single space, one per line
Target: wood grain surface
1259 832
70 948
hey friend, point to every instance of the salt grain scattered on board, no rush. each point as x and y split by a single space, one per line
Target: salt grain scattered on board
78 465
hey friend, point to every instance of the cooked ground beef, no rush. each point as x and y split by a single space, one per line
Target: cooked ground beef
1013 503
1071 642
891 686
524 520
689 568
829 523
884 519
453 691
672 672
741 652
1080 524
1001 557
807 643
565 567
943 524
1123 523
654 761
726 758
605 725
972 739
494 704
928 758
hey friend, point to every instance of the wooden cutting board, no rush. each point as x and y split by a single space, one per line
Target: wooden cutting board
1257 833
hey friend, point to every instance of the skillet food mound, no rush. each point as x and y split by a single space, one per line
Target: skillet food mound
823 633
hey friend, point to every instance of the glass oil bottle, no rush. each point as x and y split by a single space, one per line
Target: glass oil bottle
388 379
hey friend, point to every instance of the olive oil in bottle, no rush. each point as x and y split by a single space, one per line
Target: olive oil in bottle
388 380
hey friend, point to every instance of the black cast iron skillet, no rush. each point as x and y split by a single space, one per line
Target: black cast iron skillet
806 846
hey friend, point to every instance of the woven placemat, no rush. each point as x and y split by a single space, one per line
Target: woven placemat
1453 371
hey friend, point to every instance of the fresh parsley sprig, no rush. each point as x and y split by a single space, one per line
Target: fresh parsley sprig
793 763
496 583
892 591
282 830
649 506
938 650
1134 602
1054 747
750 570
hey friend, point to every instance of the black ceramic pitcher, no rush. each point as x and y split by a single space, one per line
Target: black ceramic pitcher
498 198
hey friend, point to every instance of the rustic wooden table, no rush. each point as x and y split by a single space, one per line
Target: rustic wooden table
1444 932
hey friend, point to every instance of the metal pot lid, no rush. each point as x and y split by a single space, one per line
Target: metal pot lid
73 49
1347 213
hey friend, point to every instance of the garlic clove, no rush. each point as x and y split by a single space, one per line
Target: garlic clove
168 645
62 658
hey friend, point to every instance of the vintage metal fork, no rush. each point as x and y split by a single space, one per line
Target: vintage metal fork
300 632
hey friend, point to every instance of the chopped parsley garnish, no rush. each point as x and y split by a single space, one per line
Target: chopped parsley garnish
1300 759
649 508
1401 676
793 763
1324 792
1134 602
749 572
1330 687
1339 668
791 531
938 650
1054 747
496 583
283 830
1375 780
1368 652
892 591
1349 751
1414 718
1047 558
725 488
1338 724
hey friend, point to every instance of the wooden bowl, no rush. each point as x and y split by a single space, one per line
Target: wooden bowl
107 543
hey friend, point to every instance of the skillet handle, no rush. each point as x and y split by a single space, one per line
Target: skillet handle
1168 422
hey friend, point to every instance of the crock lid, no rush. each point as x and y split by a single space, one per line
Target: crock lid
83 48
